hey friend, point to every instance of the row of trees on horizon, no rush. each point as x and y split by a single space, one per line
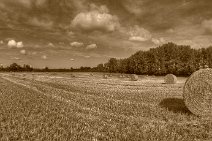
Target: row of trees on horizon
168 58
14 67
181 60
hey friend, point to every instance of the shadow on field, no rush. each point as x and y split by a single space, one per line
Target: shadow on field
175 105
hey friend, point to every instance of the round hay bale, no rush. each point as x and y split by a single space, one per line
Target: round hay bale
109 75
105 76
134 77
197 93
72 75
121 76
24 76
170 79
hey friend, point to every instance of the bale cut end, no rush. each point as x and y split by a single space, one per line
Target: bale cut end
197 93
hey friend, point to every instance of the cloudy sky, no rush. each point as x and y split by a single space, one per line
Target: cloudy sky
73 33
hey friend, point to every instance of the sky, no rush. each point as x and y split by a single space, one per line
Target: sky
74 33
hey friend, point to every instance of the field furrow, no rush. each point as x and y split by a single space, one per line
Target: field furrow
82 108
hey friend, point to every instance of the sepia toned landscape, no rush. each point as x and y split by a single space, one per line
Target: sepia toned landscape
105 70
58 106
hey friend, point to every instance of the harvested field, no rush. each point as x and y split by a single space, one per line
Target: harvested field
43 106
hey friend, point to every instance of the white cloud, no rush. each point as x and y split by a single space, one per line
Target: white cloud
171 30
134 7
77 44
91 46
155 41
162 40
44 57
98 18
137 33
158 41
12 43
196 42
15 58
20 45
23 51
28 3
70 33
137 38
50 45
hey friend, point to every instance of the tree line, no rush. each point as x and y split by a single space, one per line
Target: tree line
181 60
14 67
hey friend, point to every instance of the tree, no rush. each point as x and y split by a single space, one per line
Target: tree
209 56
113 65
100 68
27 68
14 67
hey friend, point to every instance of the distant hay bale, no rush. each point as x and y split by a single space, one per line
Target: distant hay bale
72 75
134 77
24 76
121 76
170 79
105 76
109 75
197 93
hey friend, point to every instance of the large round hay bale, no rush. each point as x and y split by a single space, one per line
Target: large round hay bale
134 77
170 79
197 93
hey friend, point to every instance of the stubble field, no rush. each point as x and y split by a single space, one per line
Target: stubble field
58 106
